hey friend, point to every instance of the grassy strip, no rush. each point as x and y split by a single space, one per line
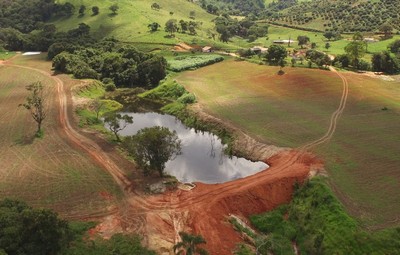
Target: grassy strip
181 63
87 114
6 55
318 223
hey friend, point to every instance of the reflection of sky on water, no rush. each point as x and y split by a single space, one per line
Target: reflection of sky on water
202 158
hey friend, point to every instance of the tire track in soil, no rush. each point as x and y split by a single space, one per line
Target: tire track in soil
205 198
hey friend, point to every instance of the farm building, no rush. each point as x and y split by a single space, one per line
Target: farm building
258 49
283 41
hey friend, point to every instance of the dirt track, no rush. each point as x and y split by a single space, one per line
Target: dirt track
204 209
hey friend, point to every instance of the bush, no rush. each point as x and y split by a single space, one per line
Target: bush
187 98
110 87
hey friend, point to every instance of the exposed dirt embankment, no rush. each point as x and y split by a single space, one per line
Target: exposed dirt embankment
262 193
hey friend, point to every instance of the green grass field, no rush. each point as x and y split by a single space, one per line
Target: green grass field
48 172
130 24
293 109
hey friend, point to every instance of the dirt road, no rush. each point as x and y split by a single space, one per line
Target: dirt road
202 210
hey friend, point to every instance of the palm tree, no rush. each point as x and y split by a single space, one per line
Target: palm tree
188 245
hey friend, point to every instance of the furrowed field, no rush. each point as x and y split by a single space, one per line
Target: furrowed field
46 172
295 108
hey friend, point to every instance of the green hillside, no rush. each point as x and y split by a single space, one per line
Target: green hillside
133 17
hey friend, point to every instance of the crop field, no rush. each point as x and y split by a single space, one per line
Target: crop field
295 108
46 172
181 63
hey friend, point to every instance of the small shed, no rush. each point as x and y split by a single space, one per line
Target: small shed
283 41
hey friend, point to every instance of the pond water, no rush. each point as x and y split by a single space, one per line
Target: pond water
202 158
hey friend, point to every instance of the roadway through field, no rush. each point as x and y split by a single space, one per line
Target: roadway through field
202 199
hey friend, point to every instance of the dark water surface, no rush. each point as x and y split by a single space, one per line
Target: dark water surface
202 158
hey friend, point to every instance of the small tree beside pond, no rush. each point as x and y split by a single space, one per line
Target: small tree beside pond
153 147
117 122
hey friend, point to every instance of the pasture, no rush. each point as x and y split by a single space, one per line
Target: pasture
46 172
131 22
295 108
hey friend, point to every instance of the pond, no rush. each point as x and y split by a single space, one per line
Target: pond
202 158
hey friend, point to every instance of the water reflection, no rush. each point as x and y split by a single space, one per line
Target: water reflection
202 158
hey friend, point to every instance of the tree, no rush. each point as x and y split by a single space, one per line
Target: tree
171 27
97 106
358 37
153 26
82 10
275 53
117 122
313 45
95 10
192 15
25 230
282 64
189 244
155 6
153 147
395 47
302 40
386 30
35 103
184 25
355 50
114 8
384 62
327 46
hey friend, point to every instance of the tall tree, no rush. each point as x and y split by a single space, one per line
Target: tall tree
95 10
117 122
275 53
35 103
189 244
153 147
171 27
386 30
114 8
82 10
355 50
303 40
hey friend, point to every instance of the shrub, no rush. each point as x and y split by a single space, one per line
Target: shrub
187 98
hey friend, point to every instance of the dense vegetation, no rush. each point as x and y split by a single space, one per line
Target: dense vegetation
28 231
26 16
233 7
110 61
317 222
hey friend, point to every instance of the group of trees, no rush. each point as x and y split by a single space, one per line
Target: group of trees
247 28
233 7
172 26
109 59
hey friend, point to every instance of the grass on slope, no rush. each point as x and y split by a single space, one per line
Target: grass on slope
294 109
285 110
48 172
318 223
130 24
